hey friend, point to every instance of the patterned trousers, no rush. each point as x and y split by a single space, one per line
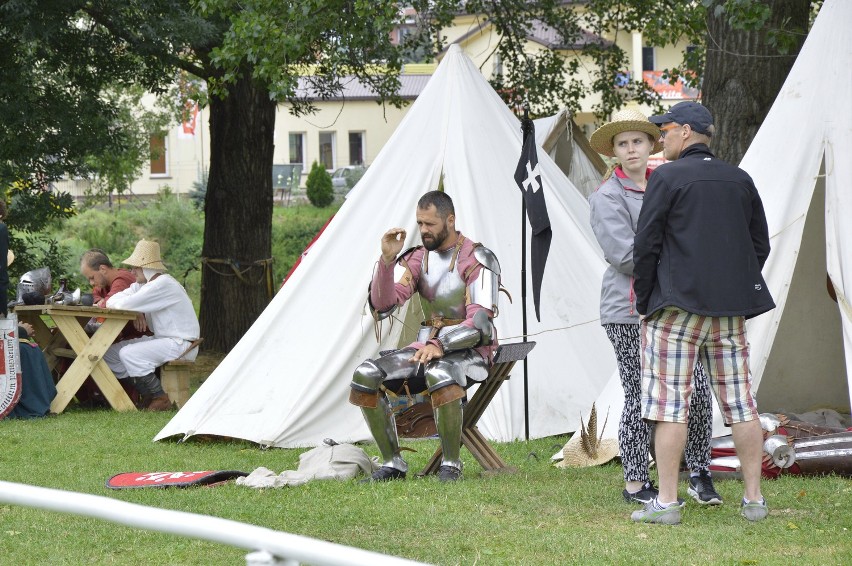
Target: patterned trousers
633 432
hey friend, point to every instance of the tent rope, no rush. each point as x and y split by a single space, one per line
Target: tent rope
528 334
239 271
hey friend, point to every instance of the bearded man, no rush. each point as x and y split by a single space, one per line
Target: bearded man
458 282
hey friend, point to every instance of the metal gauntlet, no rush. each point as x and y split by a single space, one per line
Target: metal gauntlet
460 338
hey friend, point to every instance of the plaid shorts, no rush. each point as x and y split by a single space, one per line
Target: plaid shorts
672 341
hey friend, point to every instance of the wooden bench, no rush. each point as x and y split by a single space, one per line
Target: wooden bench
504 360
174 376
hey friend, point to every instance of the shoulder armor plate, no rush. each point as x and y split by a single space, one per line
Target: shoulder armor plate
407 252
487 258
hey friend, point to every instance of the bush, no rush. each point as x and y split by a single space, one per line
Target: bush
179 229
318 186
293 229
173 223
198 194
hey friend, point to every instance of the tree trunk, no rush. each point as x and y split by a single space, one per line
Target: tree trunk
236 255
743 74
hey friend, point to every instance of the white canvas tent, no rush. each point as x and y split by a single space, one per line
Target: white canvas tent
801 162
566 144
286 383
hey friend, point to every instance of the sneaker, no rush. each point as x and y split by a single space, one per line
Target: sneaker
701 489
653 513
159 403
449 473
754 510
385 473
646 494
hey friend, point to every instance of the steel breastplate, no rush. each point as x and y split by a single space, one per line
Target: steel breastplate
442 292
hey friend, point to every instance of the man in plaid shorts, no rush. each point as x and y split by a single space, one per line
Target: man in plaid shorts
700 245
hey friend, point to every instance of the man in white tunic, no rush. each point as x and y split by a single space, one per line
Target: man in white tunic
169 315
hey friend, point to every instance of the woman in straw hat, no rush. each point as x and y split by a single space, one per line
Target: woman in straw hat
630 138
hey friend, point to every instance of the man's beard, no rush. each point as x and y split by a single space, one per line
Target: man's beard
436 243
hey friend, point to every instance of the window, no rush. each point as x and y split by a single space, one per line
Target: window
297 147
404 33
648 59
159 155
692 58
326 150
356 148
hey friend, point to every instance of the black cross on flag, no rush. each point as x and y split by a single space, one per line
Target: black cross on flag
528 177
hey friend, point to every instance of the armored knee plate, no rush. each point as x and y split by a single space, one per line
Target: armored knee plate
447 394
444 379
365 385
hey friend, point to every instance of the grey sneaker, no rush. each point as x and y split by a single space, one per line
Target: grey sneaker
701 489
653 513
754 510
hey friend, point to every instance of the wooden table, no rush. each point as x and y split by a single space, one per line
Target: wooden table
86 351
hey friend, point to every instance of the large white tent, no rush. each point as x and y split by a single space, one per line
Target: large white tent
286 383
801 162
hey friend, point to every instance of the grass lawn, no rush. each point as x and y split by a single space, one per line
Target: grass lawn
539 515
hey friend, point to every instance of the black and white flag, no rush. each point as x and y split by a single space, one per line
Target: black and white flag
528 177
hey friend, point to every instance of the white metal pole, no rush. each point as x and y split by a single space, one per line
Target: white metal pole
279 544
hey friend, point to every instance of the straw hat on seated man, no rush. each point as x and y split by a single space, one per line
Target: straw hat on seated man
169 315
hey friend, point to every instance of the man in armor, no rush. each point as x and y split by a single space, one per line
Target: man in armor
458 282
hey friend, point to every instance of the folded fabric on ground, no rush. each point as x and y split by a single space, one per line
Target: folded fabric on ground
325 462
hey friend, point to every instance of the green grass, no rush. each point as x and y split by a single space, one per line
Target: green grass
539 515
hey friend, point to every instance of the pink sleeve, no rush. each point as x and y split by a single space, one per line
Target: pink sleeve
385 292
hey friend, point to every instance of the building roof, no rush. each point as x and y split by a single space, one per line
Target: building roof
411 85
549 37
543 34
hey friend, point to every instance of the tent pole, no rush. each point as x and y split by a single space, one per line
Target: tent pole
524 314
526 132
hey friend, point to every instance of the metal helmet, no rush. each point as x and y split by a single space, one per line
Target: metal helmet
36 281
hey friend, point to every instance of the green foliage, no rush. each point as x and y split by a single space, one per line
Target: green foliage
115 171
62 95
539 515
33 210
292 230
173 223
198 194
752 15
355 176
318 186
336 37
176 225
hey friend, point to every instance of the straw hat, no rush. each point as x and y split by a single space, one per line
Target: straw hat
146 254
10 257
587 449
624 121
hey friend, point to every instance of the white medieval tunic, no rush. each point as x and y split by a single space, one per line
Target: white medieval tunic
170 316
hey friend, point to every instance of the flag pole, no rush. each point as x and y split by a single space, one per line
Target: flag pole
525 131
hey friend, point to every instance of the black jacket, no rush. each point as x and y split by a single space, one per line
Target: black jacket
701 240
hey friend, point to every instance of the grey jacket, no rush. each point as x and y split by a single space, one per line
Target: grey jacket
614 214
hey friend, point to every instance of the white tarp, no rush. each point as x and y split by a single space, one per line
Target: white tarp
286 383
801 352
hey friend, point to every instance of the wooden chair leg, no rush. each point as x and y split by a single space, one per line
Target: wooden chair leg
175 381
